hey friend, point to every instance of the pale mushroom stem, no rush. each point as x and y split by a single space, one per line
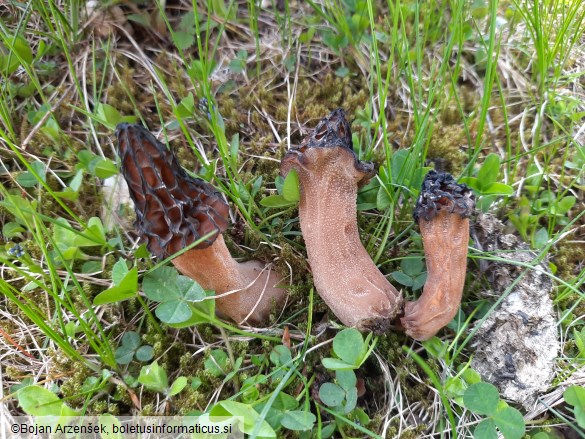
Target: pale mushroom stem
442 211
247 291
344 274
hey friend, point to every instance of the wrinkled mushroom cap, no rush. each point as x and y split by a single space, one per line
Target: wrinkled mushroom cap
440 191
173 209
330 139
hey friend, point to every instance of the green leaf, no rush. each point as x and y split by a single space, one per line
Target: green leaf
350 400
124 355
482 398
419 281
20 46
471 376
276 201
103 168
38 401
184 40
579 416
497 188
575 395
486 429
383 200
510 422
190 290
154 378
298 420
217 363
346 379
488 173
131 340
125 290
290 189
178 385
336 364
144 353
472 182
280 355
348 345
402 278
331 394
173 311
27 179
412 266
12 229
245 412
565 205
540 238
160 285
119 271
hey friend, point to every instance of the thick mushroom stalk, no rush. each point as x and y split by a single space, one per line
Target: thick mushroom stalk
442 212
173 210
343 272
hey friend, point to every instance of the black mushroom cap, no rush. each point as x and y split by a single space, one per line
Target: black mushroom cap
441 191
173 209
332 131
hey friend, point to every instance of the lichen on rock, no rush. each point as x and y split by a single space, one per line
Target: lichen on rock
516 346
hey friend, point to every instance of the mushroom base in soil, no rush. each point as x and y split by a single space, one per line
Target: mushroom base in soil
344 274
442 212
174 210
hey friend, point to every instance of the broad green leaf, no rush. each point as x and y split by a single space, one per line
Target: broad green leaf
402 278
336 364
510 422
383 200
206 307
178 385
298 420
540 238
104 168
346 379
498 188
154 378
348 345
331 394
482 398
189 289
125 290
488 173
119 271
173 311
12 229
249 415
412 266
575 395
161 284
350 400
276 201
472 182
486 429
144 353
290 189
124 355
280 355
131 340
38 401
217 363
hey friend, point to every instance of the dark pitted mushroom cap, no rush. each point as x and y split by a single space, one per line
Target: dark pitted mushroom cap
441 191
173 209
332 131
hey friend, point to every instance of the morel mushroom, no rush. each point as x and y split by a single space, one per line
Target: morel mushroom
173 210
344 274
442 212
